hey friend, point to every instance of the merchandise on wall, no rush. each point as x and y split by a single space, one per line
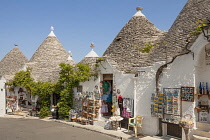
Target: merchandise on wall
207 56
203 88
203 116
77 103
157 105
172 105
203 97
160 105
23 100
114 94
152 105
187 94
11 104
172 101
126 106
96 93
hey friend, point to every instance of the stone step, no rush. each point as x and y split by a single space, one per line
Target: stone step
203 126
196 137
168 137
202 133
99 123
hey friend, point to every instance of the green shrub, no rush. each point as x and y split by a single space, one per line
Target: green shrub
44 112
63 111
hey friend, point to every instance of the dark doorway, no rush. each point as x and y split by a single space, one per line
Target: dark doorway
174 130
107 94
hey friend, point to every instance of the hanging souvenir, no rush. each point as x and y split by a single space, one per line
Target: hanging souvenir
118 91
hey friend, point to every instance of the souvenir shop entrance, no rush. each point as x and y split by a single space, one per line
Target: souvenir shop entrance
19 100
107 86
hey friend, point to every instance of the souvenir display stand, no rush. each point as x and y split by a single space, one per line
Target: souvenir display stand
90 110
11 104
116 122
202 107
167 106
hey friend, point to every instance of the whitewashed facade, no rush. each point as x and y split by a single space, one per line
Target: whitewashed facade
187 70
2 97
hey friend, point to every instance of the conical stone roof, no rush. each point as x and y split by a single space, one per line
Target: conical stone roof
138 31
90 58
45 61
12 63
184 24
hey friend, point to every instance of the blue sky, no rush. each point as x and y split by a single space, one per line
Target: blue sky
77 23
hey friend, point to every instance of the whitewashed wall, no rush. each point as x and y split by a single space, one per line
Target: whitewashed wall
89 86
2 97
145 88
186 70
202 71
124 82
181 73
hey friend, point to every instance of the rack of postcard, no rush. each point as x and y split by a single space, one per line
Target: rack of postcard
167 103
79 96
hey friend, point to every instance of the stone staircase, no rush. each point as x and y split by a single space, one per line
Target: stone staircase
202 132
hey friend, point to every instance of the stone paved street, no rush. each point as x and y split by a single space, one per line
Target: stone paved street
31 129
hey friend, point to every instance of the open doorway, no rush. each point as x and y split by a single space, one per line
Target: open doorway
107 84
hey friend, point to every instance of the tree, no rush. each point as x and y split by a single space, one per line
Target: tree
22 79
44 90
69 78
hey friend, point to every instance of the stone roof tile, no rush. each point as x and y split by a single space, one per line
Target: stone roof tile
138 31
12 62
45 61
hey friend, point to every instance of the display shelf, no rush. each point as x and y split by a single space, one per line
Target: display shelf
200 109
200 95
90 110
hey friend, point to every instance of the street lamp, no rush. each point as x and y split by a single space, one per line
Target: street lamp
206 30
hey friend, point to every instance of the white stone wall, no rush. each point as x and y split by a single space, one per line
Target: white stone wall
2 97
145 88
202 71
181 73
124 82
186 70
89 86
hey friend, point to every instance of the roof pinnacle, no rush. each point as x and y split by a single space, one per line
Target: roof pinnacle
139 8
139 13
70 55
92 53
16 46
52 28
51 33
92 46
